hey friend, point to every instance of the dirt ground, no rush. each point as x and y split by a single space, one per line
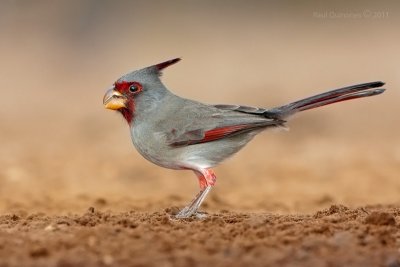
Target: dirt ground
337 236
74 192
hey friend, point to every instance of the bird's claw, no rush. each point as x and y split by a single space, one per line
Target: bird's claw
191 210
187 212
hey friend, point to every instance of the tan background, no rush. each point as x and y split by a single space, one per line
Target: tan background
62 151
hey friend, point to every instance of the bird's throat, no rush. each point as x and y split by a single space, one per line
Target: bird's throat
128 112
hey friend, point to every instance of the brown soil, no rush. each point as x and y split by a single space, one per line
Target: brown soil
337 236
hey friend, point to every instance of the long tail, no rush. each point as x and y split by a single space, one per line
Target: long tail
330 97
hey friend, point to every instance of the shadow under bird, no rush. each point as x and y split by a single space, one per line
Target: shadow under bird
183 134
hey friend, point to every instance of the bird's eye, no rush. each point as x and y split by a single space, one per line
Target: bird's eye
133 88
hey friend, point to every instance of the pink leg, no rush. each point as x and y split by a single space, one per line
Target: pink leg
207 179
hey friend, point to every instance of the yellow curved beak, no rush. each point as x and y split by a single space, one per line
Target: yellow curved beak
114 100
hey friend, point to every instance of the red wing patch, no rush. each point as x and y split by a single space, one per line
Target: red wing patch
219 133
222 132
213 135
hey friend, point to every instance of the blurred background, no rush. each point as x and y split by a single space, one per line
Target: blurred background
61 151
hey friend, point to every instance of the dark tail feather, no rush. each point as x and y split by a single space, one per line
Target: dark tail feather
330 97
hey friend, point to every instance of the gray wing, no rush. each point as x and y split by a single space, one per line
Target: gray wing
200 123
243 109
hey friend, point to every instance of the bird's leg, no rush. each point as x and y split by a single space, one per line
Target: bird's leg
207 179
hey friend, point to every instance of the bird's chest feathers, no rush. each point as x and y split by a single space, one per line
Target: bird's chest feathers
148 142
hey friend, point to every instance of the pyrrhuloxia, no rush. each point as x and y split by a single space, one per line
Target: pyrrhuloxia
183 134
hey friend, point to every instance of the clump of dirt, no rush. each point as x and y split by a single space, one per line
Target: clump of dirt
337 236
380 218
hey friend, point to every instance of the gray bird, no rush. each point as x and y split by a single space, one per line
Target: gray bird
183 134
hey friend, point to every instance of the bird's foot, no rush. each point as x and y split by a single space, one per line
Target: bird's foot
191 210
187 212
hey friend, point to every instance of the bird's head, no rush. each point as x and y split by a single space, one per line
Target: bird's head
125 90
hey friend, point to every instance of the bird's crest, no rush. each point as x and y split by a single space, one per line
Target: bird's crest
163 65
149 73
